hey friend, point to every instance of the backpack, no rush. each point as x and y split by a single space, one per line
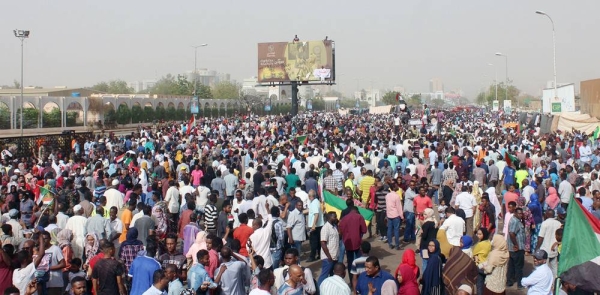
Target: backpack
273 243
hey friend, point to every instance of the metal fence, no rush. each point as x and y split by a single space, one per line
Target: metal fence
27 146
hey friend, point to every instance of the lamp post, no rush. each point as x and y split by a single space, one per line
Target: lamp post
21 34
506 63
553 48
496 79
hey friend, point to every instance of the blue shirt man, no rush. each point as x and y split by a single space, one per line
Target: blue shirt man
198 275
509 175
141 271
372 274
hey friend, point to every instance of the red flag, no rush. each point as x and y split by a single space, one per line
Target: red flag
305 141
397 96
191 124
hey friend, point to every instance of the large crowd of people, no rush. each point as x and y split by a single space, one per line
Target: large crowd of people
236 206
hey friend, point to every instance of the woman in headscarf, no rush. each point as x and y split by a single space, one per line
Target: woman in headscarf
130 247
535 207
179 156
432 281
407 280
429 232
552 200
448 190
527 221
143 176
199 244
466 242
168 170
476 192
480 255
63 241
160 217
409 259
495 267
459 269
457 190
112 169
91 247
444 244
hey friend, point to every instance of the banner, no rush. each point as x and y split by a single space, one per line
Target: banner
495 105
507 106
295 61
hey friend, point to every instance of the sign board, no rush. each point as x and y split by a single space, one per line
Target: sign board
495 105
309 104
194 106
295 61
563 100
507 106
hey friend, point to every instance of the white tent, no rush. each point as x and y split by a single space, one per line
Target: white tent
568 121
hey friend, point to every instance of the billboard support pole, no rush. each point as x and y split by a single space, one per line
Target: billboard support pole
294 98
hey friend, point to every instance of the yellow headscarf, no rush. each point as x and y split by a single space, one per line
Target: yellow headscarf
444 244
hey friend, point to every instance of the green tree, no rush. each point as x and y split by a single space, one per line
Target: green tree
160 112
171 113
179 85
149 114
390 98
226 90
113 87
481 99
51 119
318 104
137 114
123 114
415 100
110 116
512 91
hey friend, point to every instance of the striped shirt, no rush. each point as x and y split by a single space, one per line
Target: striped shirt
329 183
339 179
286 289
334 285
380 198
210 217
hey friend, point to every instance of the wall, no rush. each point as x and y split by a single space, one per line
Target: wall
590 97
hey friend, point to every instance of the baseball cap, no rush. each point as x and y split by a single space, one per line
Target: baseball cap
540 255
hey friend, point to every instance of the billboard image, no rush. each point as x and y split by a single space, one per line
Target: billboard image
296 61
563 101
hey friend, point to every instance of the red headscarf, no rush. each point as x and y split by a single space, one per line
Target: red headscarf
409 285
409 258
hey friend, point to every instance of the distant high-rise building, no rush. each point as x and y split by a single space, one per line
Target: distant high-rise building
139 86
435 85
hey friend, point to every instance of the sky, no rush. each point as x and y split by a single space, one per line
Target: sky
379 43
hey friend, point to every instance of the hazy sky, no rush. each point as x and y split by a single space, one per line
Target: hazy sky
393 43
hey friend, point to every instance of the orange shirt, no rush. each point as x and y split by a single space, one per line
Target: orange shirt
242 234
422 203
510 197
126 218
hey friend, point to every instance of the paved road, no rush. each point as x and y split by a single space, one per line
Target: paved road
389 260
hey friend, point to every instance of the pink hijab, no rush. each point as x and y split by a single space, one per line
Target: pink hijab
552 200
199 244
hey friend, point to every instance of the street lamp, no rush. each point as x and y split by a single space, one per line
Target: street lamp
506 63
554 49
496 79
21 34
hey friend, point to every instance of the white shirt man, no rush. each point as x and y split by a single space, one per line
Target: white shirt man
466 202
114 197
548 236
454 227
261 239
585 152
565 190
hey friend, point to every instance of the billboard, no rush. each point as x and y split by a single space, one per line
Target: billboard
507 106
495 105
564 101
296 61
